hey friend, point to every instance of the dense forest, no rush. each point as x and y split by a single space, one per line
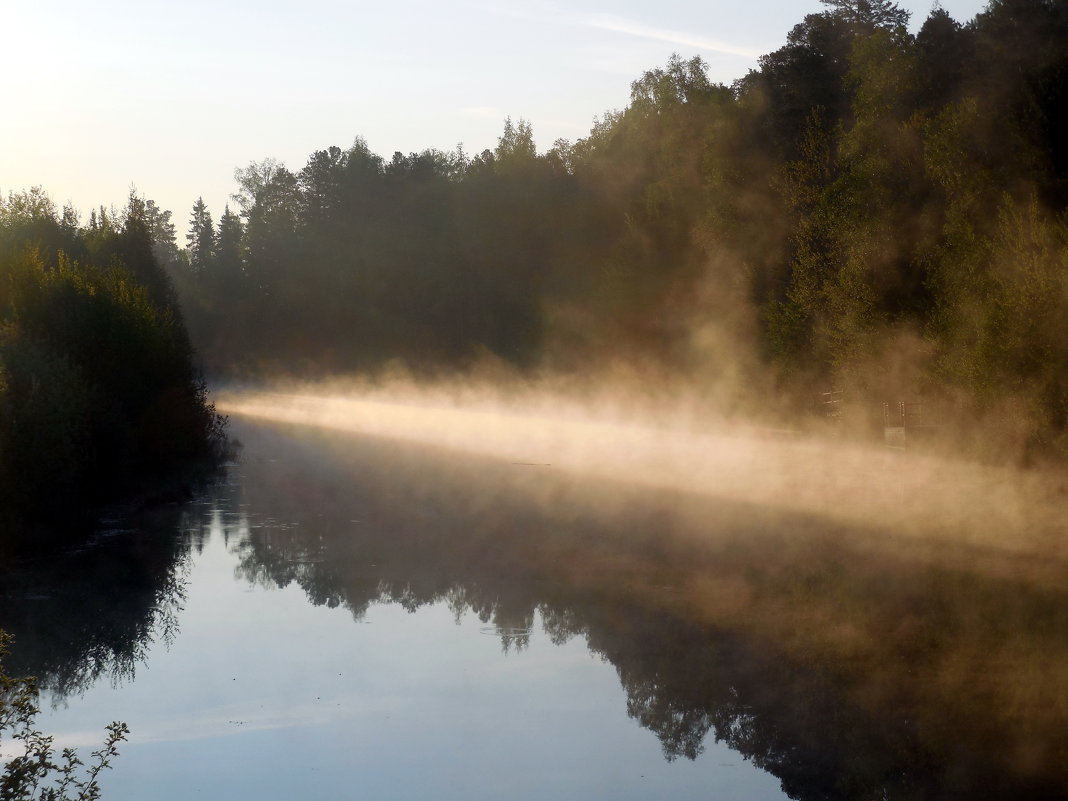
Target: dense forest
871 211
99 396
872 215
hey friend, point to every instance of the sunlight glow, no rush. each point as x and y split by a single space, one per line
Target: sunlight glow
907 496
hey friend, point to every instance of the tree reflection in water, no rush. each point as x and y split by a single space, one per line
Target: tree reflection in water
92 612
844 665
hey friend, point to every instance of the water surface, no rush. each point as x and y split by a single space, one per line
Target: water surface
360 617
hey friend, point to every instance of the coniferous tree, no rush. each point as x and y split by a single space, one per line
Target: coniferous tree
163 233
201 238
847 189
229 263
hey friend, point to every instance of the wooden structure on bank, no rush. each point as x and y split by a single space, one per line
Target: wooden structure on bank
909 421
905 423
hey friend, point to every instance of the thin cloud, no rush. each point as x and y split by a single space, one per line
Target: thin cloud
195 728
608 22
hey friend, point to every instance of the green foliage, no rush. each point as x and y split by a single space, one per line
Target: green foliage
859 189
1000 322
38 773
883 14
97 387
44 426
201 237
516 145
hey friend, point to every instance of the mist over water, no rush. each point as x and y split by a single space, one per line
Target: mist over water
931 590
718 453
913 496
415 581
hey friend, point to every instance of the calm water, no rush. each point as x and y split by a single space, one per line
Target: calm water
347 617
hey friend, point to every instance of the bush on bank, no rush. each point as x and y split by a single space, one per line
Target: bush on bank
99 396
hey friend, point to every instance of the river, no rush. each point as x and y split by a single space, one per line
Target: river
361 616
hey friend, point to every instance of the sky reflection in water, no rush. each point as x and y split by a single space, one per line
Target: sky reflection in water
843 664
262 694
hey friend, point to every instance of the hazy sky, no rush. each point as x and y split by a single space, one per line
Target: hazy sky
171 97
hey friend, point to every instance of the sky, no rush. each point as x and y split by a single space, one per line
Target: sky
169 98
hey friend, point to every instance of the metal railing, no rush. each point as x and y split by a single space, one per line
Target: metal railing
908 419
832 403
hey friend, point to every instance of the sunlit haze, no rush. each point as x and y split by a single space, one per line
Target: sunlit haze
171 98
926 498
490 400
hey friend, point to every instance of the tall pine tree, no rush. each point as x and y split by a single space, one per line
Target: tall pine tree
201 238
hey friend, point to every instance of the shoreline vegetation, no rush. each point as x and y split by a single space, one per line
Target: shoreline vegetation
100 402
99 397
869 228
38 773
872 215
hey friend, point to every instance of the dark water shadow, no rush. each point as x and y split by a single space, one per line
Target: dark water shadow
87 613
847 662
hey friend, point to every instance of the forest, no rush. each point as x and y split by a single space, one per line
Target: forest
99 398
871 220
870 211
100 403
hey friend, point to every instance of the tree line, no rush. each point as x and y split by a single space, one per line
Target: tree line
868 210
99 396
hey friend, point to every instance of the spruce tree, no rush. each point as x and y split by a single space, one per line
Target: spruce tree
201 238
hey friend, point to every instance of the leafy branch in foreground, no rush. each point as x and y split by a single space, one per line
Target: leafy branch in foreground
38 774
